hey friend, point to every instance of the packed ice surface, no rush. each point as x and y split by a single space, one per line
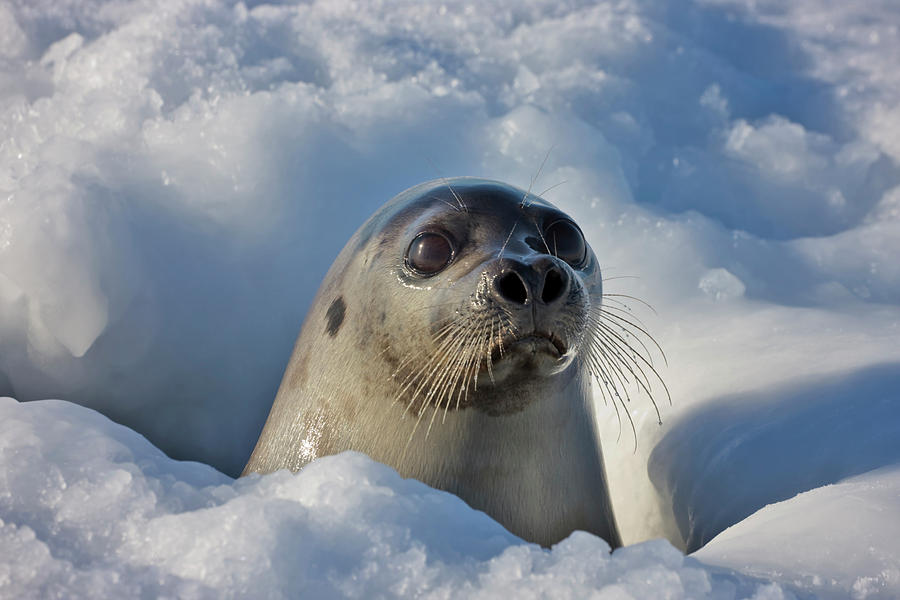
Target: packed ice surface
176 176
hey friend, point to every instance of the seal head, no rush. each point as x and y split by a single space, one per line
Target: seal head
451 340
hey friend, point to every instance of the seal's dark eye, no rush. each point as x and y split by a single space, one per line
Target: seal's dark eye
566 242
429 253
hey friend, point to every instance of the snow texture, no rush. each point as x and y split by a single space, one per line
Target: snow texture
176 177
90 509
839 540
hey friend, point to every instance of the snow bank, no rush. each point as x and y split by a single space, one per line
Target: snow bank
838 541
724 461
90 509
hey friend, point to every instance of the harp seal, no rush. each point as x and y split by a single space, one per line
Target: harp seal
452 340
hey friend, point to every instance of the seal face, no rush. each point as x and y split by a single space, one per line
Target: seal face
454 339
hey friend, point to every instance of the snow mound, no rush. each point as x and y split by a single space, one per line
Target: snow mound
91 509
837 541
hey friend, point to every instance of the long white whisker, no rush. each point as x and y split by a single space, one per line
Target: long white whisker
536 177
509 237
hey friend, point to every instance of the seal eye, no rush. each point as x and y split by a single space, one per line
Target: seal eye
429 253
566 242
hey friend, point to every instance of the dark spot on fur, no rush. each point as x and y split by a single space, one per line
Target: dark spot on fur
335 316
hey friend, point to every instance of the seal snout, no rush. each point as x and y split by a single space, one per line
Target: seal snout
519 284
533 294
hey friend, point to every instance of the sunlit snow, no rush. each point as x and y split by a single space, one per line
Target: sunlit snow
177 175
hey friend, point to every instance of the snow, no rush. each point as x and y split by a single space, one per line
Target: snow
176 177
91 509
836 539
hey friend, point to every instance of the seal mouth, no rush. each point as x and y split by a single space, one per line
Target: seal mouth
536 342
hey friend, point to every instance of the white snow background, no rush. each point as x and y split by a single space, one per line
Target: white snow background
177 175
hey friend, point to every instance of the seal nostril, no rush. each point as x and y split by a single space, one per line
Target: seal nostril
554 285
512 288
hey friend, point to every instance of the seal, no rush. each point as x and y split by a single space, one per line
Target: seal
454 338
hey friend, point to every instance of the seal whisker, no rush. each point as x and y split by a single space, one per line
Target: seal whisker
444 331
483 348
440 370
509 329
454 369
620 355
463 393
456 358
645 303
553 187
622 322
604 358
431 306
602 316
503 247
619 392
466 368
437 375
624 354
449 380
445 383
458 198
450 204
447 183
431 365
541 234
619 352
410 377
460 383
487 356
536 177
446 374
608 308
639 356
596 357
